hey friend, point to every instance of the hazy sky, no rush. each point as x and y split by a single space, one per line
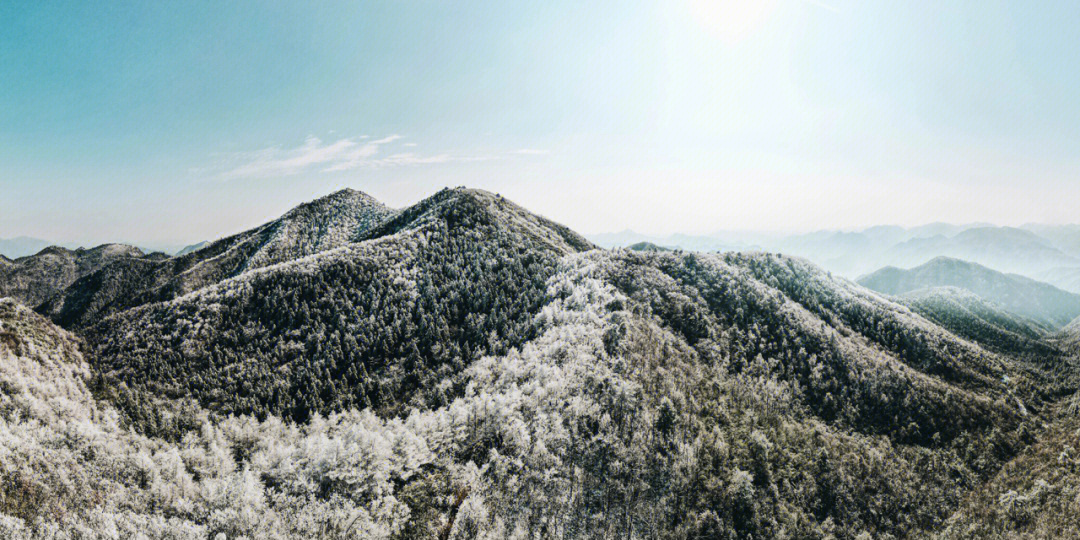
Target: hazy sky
182 121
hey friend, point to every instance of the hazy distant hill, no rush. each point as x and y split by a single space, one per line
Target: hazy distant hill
193 247
647 246
1032 251
1067 278
1001 248
35 278
1063 237
21 246
1041 302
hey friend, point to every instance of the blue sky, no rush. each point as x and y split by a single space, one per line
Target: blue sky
170 122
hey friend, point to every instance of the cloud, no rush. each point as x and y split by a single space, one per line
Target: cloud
530 152
335 156
339 155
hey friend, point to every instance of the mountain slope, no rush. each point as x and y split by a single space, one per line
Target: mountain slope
603 394
36 278
321 225
967 315
71 470
377 323
1066 278
1023 296
466 369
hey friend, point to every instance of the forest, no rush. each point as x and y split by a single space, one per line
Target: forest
466 369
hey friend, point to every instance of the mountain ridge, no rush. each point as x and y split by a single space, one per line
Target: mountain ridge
1022 295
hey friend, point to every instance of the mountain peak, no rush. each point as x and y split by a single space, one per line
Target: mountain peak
467 207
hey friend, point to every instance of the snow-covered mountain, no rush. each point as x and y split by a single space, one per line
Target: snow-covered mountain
463 368
34 279
327 223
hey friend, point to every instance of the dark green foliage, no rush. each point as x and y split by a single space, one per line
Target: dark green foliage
353 333
327 223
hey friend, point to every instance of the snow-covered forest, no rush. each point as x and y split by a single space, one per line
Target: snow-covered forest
466 369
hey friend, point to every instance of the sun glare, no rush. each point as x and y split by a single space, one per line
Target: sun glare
731 20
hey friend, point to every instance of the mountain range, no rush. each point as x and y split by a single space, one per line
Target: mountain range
1042 252
1043 303
464 368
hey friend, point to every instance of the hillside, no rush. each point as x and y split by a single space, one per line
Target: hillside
1066 279
1023 296
36 278
457 276
741 394
327 223
463 368
967 315
72 470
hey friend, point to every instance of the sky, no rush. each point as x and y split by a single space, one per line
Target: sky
175 122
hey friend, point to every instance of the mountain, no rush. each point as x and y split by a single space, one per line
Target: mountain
1002 248
512 346
463 368
193 247
1026 297
647 246
794 401
1063 237
1065 278
1031 250
21 246
36 278
427 292
325 224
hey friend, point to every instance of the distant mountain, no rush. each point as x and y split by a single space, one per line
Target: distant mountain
1001 248
618 239
647 246
1065 278
36 278
1023 296
21 246
1063 237
327 223
687 242
193 247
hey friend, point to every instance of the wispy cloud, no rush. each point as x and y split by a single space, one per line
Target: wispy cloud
340 155
530 152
